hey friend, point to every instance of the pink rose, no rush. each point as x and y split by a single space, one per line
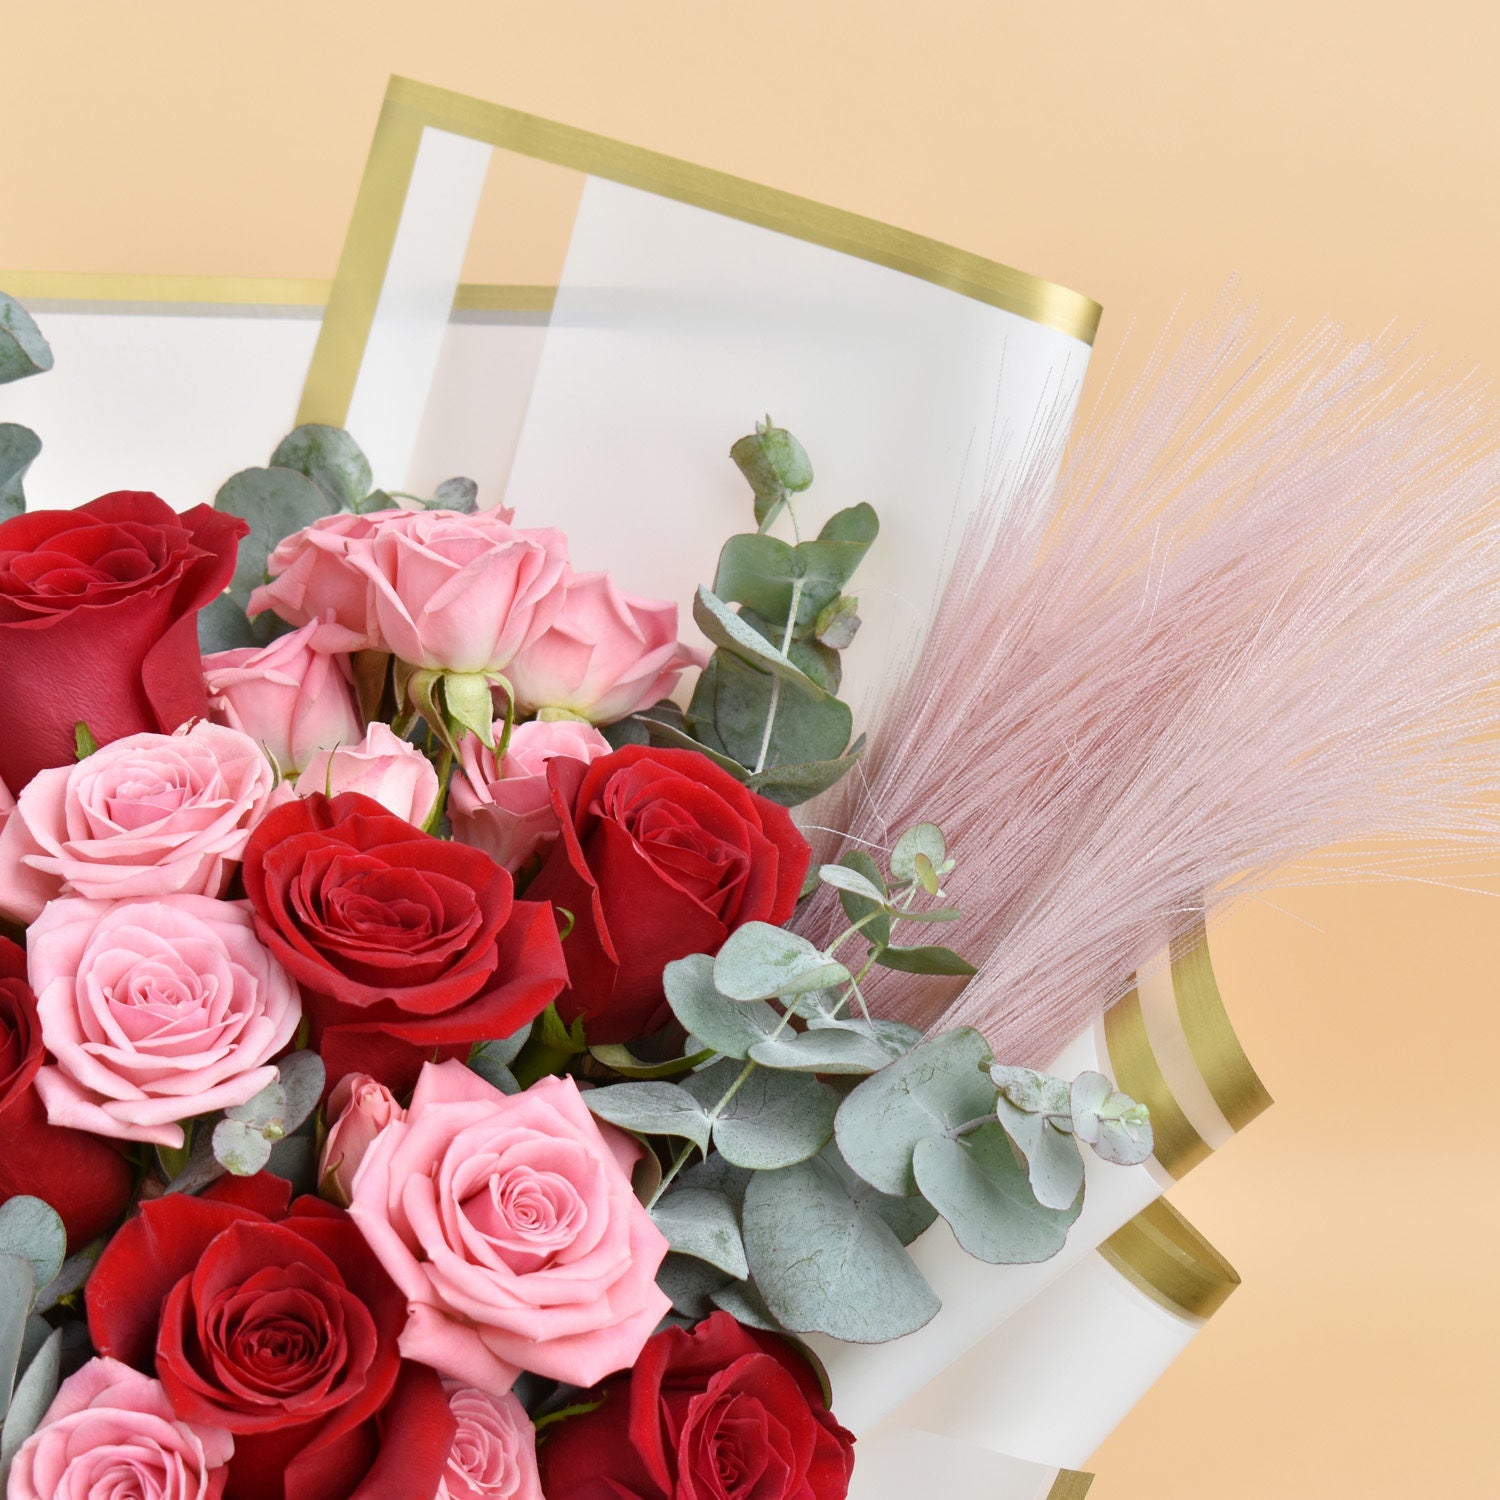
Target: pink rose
494 1449
461 593
606 655
509 1224
506 809
149 815
313 581
156 1011
289 697
383 766
111 1433
360 1109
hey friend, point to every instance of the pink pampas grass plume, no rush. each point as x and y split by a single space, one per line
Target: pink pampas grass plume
1260 627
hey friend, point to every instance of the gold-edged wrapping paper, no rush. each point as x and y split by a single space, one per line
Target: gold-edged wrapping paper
1053 1381
1170 1044
901 1463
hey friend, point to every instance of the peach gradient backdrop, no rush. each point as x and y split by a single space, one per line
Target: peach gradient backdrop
1343 157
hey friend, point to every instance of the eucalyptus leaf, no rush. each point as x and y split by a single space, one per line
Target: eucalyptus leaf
620 1059
1111 1122
303 1079
746 1306
19 446
275 502
934 1088
1036 1092
825 1263
773 1120
718 1176
730 1027
810 727
329 457
832 1050
926 839
759 961
978 1185
264 1112
877 930
23 349
224 626
240 1149
507 1049
17 1287
830 561
690 1283
725 628
1054 1164
31 1228
924 960
652 1109
797 782
895 1037
660 732
843 878
458 494
761 572
33 1395
202 1166
71 1277
703 1224
487 1064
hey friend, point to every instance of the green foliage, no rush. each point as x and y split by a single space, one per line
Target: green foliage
766 701
730 1027
772 1120
976 1183
937 1086
331 459
23 350
653 1108
33 1243
19 446
827 1261
242 1141
759 961
704 1224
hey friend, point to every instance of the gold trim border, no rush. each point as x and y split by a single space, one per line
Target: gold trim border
240 291
1233 1082
1178 1146
1161 1254
1070 1484
409 107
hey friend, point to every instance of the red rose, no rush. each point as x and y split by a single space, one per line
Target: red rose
720 1412
406 946
98 622
279 1325
662 854
84 1178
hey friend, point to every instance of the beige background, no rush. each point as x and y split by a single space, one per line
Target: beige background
1342 157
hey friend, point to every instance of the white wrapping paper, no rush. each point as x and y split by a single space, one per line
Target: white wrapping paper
1052 1382
898 1463
1168 1048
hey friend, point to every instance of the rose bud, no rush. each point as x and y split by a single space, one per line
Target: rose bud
606 655
360 1109
290 698
382 766
506 809
314 582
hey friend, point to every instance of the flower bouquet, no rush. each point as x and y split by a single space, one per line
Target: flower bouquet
460 1040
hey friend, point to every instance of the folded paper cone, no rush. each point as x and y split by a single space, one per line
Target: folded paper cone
1055 1380
1168 1044
897 1463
